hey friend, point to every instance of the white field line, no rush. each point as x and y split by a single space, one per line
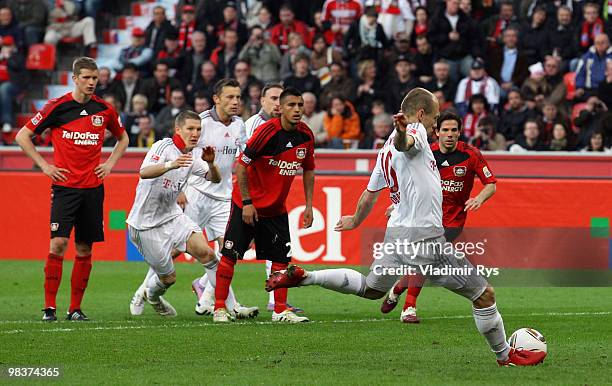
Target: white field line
143 325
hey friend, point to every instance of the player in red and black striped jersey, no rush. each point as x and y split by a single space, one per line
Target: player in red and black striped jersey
78 121
458 164
264 173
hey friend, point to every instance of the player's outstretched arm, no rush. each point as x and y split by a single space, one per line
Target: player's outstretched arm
308 178
154 171
213 175
402 141
476 202
24 139
364 207
105 168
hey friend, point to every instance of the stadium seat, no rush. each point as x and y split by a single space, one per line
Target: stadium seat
41 57
569 80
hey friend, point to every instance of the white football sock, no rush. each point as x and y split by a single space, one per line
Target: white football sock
211 270
150 273
491 325
268 272
208 297
155 289
346 281
268 268
204 280
230 302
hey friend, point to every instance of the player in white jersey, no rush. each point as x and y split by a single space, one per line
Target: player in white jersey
156 224
209 204
270 108
407 167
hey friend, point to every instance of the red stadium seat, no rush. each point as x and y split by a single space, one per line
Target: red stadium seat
569 80
41 57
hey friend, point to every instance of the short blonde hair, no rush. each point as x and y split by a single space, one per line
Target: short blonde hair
418 98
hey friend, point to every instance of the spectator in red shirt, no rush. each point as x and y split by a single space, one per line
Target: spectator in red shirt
187 26
279 34
171 52
226 55
231 21
591 26
337 17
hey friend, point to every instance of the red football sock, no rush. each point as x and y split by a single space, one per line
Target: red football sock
401 286
80 277
225 273
280 294
53 277
415 284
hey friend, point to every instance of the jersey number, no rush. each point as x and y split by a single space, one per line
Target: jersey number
390 177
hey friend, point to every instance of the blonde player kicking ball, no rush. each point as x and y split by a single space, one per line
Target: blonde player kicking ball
407 167
156 224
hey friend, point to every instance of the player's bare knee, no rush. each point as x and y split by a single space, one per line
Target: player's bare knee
205 254
59 245
487 299
83 249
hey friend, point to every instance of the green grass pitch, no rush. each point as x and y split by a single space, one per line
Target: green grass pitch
349 342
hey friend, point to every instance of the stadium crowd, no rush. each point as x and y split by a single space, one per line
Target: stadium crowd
525 75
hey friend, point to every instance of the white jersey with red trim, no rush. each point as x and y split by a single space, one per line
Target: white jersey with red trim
414 185
228 141
155 201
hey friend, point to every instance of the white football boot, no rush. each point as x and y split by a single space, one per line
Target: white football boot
222 316
137 304
163 307
288 317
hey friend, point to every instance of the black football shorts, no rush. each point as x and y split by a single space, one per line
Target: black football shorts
81 208
271 235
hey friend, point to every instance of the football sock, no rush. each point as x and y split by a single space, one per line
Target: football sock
80 277
230 302
211 267
209 293
415 284
401 286
53 277
344 280
280 294
155 289
225 273
268 271
150 273
204 280
490 324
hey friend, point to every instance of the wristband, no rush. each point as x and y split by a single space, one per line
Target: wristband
168 165
247 202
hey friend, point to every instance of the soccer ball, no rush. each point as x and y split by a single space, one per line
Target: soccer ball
528 339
